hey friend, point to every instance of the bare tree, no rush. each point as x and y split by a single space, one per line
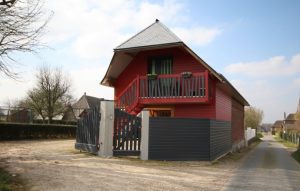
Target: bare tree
51 96
22 22
8 3
253 117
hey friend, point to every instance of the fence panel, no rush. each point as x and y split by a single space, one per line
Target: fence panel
87 134
292 137
127 134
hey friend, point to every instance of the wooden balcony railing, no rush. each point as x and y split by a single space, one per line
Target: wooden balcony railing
129 97
171 88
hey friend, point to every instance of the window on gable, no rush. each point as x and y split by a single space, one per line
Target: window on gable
160 65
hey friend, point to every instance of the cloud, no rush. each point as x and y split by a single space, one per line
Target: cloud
271 84
84 33
273 98
296 83
274 66
12 89
88 80
93 28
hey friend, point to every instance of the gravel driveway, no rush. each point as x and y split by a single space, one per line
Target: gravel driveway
56 165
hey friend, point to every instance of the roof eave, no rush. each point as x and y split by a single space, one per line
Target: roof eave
105 80
210 69
139 48
242 99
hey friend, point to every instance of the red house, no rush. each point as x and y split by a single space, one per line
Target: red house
155 70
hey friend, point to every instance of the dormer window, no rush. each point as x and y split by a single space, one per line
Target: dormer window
160 65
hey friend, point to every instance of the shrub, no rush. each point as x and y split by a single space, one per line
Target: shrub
259 135
14 131
296 155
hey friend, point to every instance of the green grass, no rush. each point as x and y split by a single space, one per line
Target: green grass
259 135
296 155
285 143
9 182
5 181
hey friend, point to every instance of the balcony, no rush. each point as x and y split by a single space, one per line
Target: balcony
164 89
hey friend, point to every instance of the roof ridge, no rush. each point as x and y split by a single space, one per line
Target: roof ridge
165 28
136 34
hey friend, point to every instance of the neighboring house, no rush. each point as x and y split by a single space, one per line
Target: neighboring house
157 71
292 123
78 109
21 115
277 126
3 114
69 114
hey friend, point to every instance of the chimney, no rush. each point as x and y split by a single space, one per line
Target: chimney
284 116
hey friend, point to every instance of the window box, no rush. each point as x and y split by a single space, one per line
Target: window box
186 74
152 76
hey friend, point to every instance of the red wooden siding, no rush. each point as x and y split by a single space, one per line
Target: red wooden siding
195 111
237 122
182 62
223 106
138 66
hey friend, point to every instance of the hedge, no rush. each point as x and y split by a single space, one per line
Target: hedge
15 131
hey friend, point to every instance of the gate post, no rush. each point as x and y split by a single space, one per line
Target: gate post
145 135
106 128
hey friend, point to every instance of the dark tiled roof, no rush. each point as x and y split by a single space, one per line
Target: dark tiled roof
278 123
87 102
291 116
93 101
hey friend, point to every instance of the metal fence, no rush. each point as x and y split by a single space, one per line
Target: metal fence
87 134
292 137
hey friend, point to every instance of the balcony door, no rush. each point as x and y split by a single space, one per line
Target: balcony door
160 65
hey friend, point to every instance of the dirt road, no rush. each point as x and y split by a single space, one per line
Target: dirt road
56 165
267 167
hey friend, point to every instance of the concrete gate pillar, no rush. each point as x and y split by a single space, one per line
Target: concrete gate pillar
106 128
145 135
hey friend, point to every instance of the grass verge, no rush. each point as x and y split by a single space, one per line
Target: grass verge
285 143
296 155
4 181
9 182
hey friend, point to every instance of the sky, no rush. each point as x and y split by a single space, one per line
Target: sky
254 44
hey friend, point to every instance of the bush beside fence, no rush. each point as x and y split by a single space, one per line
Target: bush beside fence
15 131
